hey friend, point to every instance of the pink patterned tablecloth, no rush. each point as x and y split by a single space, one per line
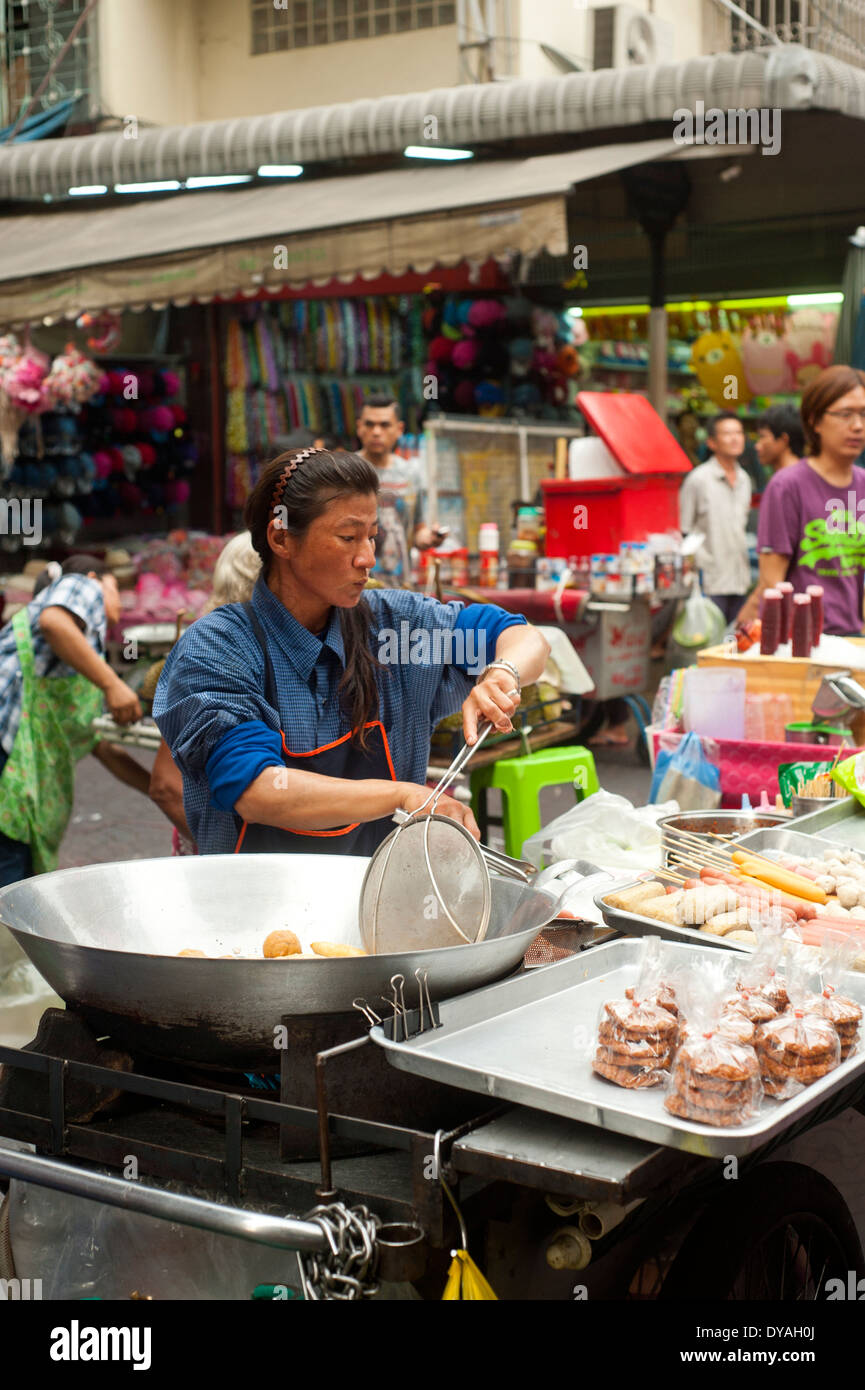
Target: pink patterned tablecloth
748 766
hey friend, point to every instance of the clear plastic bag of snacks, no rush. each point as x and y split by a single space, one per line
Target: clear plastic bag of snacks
661 976
637 1034
761 982
715 1078
799 1046
830 1000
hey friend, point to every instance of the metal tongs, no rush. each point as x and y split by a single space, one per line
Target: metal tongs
447 778
503 864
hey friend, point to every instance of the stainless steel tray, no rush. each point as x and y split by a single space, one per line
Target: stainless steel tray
794 842
842 822
530 1040
632 924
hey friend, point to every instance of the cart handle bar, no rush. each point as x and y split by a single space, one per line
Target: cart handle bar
281 1232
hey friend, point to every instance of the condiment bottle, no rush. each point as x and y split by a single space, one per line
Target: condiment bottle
522 563
785 589
488 547
770 617
801 625
815 591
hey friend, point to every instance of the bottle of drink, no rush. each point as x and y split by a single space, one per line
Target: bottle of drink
801 625
785 589
771 621
488 547
815 592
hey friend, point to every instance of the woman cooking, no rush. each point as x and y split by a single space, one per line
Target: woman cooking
301 721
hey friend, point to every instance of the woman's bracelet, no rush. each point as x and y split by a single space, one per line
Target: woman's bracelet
505 666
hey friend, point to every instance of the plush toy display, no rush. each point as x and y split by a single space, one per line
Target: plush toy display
492 356
717 361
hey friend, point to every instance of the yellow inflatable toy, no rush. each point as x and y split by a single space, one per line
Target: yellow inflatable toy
717 360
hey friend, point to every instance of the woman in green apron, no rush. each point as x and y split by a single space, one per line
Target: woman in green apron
54 681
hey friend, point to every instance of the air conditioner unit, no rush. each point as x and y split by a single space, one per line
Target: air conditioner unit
625 37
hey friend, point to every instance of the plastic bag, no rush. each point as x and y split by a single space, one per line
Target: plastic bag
662 974
795 1050
851 776
636 1041
799 1046
684 772
605 829
845 1014
465 1280
762 974
700 623
715 1078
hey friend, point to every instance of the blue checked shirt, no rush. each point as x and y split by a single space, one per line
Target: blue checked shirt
214 679
83 598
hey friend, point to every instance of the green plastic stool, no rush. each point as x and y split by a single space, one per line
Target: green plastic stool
521 781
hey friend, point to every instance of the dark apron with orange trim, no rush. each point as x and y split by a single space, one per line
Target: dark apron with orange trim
339 759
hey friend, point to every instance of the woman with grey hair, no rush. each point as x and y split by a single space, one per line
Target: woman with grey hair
234 577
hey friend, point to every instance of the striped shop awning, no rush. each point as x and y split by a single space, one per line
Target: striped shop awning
198 247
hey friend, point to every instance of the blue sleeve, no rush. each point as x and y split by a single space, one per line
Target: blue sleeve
238 758
212 681
487 623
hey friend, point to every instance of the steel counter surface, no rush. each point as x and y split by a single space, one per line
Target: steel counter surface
840 823
531 1040
552 1154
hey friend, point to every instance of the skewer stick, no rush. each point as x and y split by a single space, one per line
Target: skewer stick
686 838
703 857
671 873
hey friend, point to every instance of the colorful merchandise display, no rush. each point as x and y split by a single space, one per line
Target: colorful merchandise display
497 357
95 446
718 358
310 364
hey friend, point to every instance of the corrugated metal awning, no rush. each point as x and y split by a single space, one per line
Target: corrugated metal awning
203 246
784 76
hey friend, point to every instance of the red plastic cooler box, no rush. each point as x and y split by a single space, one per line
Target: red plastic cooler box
645 498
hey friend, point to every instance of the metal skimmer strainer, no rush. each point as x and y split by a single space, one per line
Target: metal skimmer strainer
406 904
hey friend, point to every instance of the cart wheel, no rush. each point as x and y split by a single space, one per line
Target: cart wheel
778 1235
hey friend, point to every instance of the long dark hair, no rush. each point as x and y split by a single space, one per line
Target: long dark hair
297 487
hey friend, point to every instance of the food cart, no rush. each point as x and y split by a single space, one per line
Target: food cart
194 1149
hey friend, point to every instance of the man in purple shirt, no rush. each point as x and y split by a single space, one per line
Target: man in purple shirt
812 515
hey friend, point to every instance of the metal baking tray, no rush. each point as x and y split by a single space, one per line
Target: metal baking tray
632 924
530 1040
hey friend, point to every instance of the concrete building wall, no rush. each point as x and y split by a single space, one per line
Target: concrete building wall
233 82
149 60
568 26
176 61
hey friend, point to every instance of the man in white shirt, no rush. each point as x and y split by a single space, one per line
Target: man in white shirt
715 499
400 523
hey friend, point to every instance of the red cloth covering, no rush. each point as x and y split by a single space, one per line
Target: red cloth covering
537 605
750 765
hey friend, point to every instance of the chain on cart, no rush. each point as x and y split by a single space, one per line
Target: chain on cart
346 1271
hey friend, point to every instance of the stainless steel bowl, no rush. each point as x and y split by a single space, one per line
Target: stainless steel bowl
714 823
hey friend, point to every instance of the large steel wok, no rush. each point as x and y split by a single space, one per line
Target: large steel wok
106 938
